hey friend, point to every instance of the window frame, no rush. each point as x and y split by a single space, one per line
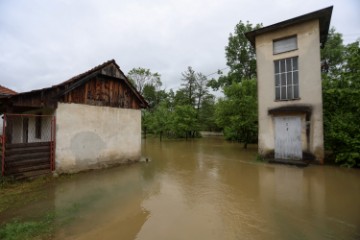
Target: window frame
282 39
281 82
38 126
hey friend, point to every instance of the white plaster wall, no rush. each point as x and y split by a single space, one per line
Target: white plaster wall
309 83
89 137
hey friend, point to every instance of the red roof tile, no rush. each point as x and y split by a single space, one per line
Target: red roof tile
6 91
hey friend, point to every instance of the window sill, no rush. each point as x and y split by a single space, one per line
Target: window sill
295 49
287 100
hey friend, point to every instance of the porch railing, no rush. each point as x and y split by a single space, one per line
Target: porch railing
27 145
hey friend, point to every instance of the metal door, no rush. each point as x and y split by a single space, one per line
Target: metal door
288 137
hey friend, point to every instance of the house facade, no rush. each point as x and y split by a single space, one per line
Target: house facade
289 86
92 120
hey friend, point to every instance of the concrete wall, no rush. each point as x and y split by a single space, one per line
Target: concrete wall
90 137
310 89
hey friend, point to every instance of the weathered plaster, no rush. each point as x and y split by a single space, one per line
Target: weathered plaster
310 89
90 137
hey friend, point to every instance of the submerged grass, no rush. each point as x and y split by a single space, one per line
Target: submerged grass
19 230
14 194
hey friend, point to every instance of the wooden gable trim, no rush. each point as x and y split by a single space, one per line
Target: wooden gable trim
48 97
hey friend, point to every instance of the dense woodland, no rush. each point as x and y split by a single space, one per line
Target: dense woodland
190 109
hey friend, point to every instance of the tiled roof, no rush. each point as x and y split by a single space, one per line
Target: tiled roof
4 91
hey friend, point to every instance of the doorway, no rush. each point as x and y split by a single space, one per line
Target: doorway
288 137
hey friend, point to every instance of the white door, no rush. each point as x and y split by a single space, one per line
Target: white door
288 137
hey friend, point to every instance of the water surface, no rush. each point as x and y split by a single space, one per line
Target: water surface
206 189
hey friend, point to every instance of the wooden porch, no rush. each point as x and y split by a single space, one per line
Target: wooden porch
26 160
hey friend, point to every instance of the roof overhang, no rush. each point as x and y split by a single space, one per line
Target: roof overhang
291 109
324 16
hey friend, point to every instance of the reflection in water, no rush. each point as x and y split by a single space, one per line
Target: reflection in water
208 189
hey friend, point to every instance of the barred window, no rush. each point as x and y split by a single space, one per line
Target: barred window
286 79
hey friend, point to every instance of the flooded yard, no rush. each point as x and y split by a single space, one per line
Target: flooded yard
200 189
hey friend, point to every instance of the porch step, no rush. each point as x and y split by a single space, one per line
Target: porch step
33 174
299 163
25 169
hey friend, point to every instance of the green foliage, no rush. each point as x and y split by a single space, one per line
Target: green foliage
342 131
351 71
142 77
207 114
341 94
332 55
240 57
185 122
182 114
161 120
189 85
17 230
237 113
240 54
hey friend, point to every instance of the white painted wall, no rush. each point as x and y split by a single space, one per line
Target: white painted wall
90 137
309 79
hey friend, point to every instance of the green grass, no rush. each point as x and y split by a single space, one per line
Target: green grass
19 230
18 194
260 158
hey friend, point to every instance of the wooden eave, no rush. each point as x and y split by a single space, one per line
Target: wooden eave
48 97
324 16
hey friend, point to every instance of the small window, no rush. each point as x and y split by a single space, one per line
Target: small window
285 45
286 79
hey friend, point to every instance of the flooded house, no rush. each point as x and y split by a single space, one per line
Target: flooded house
90 121
289 86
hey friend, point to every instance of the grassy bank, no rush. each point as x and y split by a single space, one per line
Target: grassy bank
15 195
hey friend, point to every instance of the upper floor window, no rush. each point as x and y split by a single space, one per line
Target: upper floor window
285 45
286 79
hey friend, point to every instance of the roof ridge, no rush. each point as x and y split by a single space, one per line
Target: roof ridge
81 75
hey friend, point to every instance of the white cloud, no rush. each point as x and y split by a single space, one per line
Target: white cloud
46 42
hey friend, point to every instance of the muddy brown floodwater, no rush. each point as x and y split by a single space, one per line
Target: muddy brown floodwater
206 189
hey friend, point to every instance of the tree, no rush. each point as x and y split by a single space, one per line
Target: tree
240 54
237 113
332 55
189 85
342 131
185 122
207 114
142 77
341 94
351 68
153 96
240 57
161 120
201 90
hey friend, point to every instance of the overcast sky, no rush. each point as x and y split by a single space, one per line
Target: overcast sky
43 42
